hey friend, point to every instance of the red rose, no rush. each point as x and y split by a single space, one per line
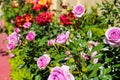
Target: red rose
44 18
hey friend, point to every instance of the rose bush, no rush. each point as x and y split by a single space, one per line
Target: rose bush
68 46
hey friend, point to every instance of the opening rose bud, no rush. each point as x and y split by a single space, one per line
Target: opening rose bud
51 42
67 52
11 55
17 30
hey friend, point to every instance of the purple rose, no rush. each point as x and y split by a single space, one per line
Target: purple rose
61 73
62 38
30 36
51 42
11 46
113 37
78 10
43 61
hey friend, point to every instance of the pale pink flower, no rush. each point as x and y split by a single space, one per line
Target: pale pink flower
27 25
61 73
93 54
67 52
95 43
43 61
51 42
85 56
112 36
63 37
30 36
95 60
11 55
78 10
90 47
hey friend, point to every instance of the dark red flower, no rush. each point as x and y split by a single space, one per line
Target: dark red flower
66 19
44 18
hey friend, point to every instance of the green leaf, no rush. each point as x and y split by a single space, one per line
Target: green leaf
95 69
89 34
38 77
98 47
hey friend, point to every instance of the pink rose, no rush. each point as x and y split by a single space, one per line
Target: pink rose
62 38
67 52
51 42
11 46
27 25
61 73
30 36
78 10
113 37
13 38
17 30
43 61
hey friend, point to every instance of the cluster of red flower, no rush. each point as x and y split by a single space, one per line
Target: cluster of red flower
66 19
44 18
21 20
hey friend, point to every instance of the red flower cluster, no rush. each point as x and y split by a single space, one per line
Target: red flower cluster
20 20
44 18
66 19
